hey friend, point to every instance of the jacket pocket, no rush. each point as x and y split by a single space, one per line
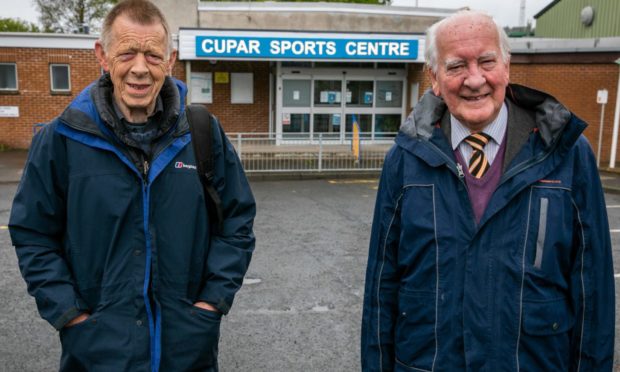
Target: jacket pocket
545 339
92 345
415 331
190 338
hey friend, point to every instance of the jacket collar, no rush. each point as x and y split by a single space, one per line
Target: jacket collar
528 110
92 110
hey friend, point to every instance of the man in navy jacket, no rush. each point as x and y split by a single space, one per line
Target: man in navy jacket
110 224
490 247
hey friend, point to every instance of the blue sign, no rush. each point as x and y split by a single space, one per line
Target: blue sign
305 48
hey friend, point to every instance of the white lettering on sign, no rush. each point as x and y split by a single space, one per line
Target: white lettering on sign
231 46
306 47
376 48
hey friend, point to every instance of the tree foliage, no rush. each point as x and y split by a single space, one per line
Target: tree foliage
73 16
17 25
380 2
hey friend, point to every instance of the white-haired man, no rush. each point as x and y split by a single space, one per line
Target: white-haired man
490 247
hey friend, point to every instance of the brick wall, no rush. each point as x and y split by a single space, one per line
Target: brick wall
236 118
575 86
34 98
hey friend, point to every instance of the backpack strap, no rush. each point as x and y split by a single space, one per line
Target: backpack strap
201 129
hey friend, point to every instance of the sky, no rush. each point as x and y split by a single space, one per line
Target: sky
506 12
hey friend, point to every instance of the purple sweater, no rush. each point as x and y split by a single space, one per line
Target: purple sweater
481 190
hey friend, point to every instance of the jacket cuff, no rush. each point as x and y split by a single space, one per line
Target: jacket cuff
79 308
66 317
213 295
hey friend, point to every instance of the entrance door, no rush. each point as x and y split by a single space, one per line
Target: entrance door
323 103
327 111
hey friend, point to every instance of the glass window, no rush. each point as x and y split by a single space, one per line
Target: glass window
8 76
387 125
365 123
389 93
359 93
327 93
296 93
60 78
327 124
294 124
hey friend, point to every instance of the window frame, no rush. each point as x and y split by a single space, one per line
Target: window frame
56 90
16 88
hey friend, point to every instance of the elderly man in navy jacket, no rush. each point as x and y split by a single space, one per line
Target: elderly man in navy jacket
110 223
490 247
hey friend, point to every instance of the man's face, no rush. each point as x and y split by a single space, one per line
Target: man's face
471 76
138 64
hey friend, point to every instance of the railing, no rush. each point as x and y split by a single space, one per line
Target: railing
324 152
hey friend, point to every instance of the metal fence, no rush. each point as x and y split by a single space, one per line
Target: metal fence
268 153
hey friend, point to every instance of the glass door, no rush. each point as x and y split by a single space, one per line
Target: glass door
296 107
327 109
360 98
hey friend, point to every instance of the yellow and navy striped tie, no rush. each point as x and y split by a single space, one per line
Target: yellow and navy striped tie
478 162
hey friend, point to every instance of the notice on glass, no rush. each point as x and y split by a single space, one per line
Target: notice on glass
349 96
324 96
336 119
388 96
296 95
286 119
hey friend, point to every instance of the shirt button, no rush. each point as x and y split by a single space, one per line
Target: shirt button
555 326
137 252
139 322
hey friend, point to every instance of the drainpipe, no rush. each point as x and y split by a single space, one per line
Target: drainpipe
614 139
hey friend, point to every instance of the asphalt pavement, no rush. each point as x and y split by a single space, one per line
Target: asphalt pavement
300 306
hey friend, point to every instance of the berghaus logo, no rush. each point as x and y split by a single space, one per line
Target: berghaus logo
180 164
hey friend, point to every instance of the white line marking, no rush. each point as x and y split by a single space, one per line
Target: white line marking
617 276
614 231
4 227
247 281
613 206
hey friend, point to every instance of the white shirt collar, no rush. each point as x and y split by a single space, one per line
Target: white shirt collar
496 129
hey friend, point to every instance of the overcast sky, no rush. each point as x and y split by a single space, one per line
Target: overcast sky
505 12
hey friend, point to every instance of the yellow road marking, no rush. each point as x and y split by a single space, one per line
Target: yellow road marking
345 182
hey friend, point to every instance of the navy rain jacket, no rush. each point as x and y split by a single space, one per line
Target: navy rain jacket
530 288
94 232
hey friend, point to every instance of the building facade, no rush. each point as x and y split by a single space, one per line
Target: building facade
579 19
293 70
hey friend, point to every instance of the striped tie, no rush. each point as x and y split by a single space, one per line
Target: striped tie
478 163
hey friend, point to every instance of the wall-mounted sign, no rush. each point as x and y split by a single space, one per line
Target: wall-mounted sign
221 78
601 96
253 45
9 111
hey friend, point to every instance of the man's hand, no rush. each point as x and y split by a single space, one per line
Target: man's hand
206 306
77 320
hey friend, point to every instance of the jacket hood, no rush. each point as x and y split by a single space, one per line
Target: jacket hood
92 111
551 116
